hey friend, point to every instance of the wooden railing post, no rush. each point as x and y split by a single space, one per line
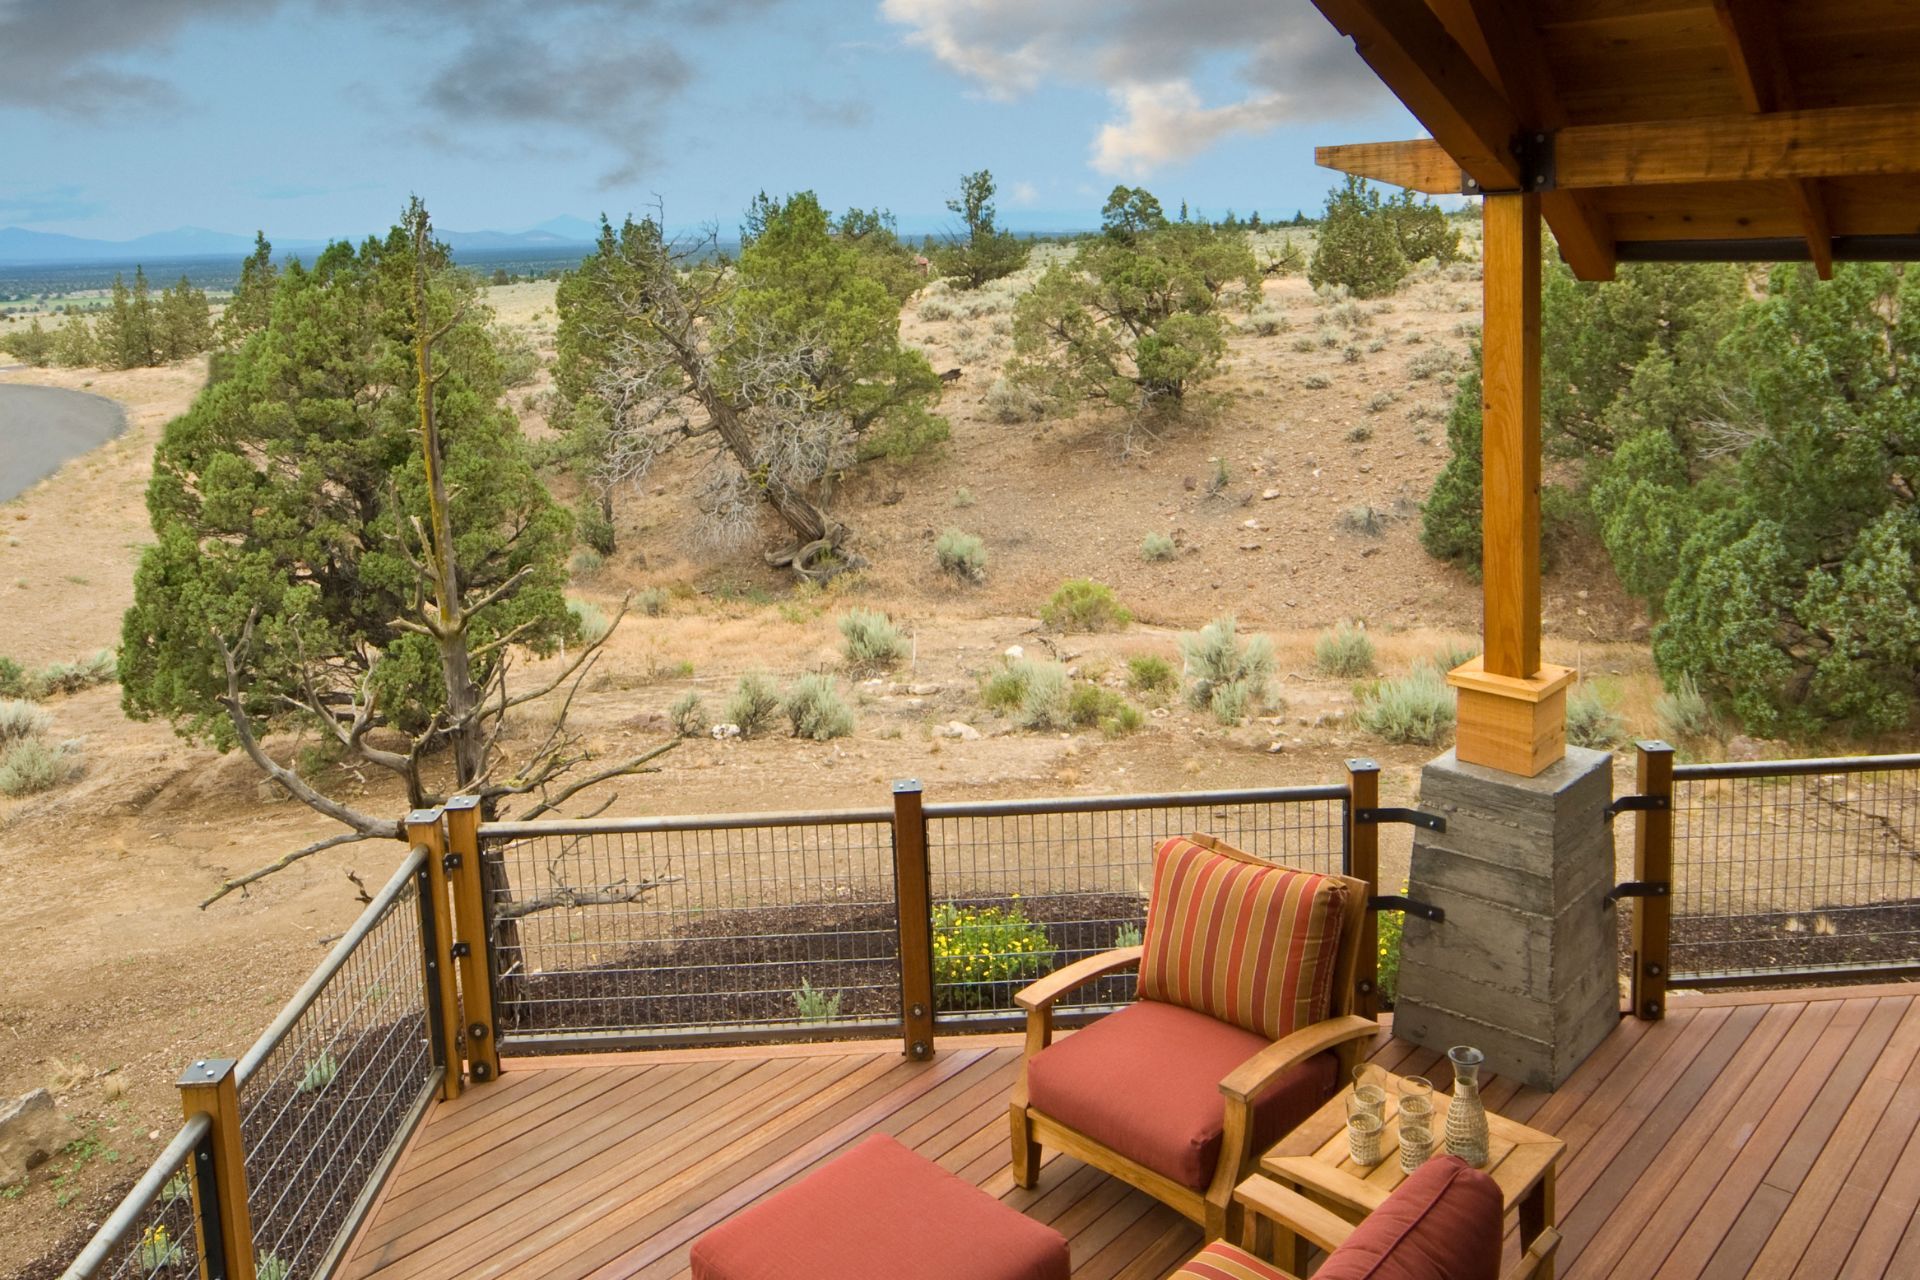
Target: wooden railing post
913 900
473 946
223 1226
1363 863
1653 864
436 947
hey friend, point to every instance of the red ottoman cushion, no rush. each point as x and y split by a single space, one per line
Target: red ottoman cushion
1222 1261
1145 1082
880 1212
1443 1223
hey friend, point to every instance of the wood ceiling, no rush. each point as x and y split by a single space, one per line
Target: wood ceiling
1660 129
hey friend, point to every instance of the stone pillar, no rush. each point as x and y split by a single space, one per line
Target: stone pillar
1524 966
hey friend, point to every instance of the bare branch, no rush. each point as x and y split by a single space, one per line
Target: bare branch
281 864
632 764
613 895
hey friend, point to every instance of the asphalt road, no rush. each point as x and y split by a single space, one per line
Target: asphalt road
42 427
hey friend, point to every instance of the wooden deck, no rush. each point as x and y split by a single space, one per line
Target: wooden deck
1771 1135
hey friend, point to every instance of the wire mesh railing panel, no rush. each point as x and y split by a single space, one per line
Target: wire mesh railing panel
1019 893
694 929
1802 871
150 1236
335 1083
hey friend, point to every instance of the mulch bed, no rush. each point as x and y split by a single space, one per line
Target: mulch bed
1886 933
733 967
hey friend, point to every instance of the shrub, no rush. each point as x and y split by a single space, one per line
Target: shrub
1316 382
815 1005
1346 651
33 764
1416 708
1224 675
962 497
1014 402
652 601
1365 520
1455 655
1127 935
1265 321
590 618
816 710
1150 673
1157 547
20 719
1380 403
754 704
1590 721
980 953
1304 344
1044 699
1006 688
869 641
13 679
961 554
271 1266
1431 363
71 677
320 1072
158 1251
1684 713
1389 926
688 715
1359 433
585 561
1081 604
1090 705
1358 248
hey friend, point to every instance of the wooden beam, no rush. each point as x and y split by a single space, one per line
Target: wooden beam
1412 53
1510 435
1419 164
1760 67
1834 142
1516 62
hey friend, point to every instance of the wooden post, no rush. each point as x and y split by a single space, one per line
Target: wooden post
914 903
474 946
1652 862
222 1223
1363 863
1512 710
436 942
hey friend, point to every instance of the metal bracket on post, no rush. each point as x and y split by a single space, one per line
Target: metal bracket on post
1412 817
223 1225
913 909
1636 804
1412 906
1638 889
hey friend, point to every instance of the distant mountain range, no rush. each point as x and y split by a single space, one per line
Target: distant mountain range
20 247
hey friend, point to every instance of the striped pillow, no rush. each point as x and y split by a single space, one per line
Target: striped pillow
1244 941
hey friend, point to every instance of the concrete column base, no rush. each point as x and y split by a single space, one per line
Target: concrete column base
1524 965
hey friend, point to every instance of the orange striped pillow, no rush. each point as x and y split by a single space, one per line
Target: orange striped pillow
1244 941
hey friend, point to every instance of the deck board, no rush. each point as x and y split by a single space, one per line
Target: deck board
1775 1135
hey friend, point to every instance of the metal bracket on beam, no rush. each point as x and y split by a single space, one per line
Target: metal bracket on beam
1636 803
1412 906
1413 817
1535 152
1638 889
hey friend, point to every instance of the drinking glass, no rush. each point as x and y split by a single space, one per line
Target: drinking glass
1363 1134
1370 1089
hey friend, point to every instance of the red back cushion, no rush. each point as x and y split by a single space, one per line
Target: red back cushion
1238 939
1443 1223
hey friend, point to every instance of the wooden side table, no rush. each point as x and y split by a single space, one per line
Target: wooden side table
1314 1161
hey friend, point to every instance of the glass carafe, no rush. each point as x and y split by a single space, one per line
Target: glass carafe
1466 1114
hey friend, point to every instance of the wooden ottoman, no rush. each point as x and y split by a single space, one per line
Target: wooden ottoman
880 1212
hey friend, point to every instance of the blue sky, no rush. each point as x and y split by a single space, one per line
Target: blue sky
314 119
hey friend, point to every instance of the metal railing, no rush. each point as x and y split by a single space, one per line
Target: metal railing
739 927
150 1235
326 1093
284 1150
1078 870
1775 872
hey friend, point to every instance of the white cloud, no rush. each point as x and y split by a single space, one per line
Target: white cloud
1286 63
1022 193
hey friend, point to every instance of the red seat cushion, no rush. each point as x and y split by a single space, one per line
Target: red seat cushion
1443 1223
1145 1082
880 1212
1240 939
1222 1261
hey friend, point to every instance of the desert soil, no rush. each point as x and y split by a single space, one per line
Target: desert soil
118 977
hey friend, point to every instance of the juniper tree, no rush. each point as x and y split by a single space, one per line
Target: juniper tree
184 324
351 540
985 252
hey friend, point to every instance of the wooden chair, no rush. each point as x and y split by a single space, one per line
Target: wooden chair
1243 1081
1271 1207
